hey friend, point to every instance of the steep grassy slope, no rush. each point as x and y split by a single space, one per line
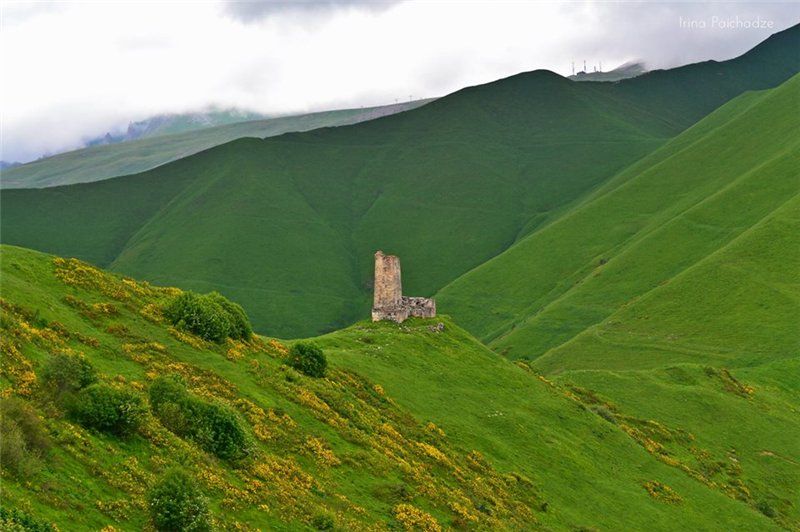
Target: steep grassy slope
304 213
103 162
337 447
672 294
446 186
655 220
413 422
710 427
737 308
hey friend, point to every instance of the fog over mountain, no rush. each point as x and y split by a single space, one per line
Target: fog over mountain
117 63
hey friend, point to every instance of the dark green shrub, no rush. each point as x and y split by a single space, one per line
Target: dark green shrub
240 324
168 397
211 316
66 373
604 413
177 504
213 426
393 493
199 315
308 358
23 440
322 522
167 389
218 430
107 409
765 508
13 520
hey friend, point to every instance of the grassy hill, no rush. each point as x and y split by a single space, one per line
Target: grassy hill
173 138
447 186
324 200
651 224
414 427
678 275
168 123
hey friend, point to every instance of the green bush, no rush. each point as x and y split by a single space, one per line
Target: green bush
177 504
199 315
240 328
66 373
167 389
210 316
765 508
168 397
23 440
213 426
15 520
107 409
322 522
217 429
308 358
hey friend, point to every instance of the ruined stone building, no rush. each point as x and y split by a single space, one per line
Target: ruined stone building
389 302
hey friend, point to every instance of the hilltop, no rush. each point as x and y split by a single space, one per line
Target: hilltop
631 69
414 426
447 186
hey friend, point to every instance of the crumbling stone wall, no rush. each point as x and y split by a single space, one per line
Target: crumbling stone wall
389 303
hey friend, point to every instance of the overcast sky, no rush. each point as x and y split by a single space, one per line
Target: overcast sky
73 70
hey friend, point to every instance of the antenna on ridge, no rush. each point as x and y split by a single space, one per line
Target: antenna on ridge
573 68
584 65
601 66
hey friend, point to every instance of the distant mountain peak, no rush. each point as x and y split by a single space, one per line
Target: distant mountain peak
628 69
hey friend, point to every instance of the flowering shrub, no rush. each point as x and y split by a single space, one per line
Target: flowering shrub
321 453
16 368
213 426
176 503
662 492
413 518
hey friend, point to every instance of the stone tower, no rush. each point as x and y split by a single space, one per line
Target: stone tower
389 303
388 286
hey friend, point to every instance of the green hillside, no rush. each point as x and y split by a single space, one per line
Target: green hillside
447 186
174 140
323 201
643 229
672 294
416 426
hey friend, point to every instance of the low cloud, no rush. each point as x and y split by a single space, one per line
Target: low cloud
76 70
248 11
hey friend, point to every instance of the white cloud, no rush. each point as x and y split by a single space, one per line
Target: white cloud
72 70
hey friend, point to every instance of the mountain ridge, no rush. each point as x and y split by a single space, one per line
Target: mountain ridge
491 163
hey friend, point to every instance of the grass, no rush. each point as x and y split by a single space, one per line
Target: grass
177 137
703 193
288 225
396 422
337 446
